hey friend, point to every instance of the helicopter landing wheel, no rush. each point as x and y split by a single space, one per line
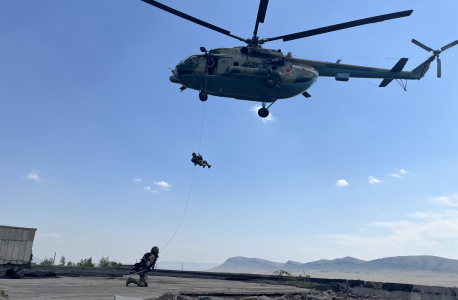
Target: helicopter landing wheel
270 81
203 96
263 112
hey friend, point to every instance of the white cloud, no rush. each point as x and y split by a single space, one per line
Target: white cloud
373 180
33 175
53 235
148 188
137 180
402 171
269 118
341 182
425 230
444 200
164 185
397 176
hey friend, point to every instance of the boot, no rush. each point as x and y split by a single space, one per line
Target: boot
131 280
209 166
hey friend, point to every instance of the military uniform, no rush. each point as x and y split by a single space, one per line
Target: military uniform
146 264
198 160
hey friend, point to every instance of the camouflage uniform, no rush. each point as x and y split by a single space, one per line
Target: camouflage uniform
198 160
147 263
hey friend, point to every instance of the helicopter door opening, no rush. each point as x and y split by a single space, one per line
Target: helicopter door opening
212 63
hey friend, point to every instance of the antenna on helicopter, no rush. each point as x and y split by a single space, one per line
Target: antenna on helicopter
436 52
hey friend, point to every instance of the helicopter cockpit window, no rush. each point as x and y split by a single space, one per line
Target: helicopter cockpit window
193 61
184 61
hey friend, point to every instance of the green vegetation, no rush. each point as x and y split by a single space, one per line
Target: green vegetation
62 261
301 281
106 263
87 262
4 295
47 262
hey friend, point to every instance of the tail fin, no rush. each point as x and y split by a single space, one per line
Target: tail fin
423 68
397 68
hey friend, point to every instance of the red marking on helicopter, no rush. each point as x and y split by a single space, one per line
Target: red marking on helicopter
288 70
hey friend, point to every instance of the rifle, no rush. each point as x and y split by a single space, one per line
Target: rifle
147 269
136 272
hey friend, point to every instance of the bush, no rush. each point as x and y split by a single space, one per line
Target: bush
4 295
106 263
292 280
47 262
71 264
87 262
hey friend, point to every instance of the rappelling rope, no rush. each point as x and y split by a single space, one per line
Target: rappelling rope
193 172
202 126
186 206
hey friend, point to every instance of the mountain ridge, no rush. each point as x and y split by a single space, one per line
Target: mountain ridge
413 263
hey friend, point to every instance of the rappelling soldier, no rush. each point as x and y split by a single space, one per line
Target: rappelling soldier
198 160
144 266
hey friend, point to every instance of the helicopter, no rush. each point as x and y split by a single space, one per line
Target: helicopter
265 75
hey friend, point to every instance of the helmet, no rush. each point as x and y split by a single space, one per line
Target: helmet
155 250
193 154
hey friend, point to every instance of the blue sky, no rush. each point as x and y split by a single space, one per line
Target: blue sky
89 120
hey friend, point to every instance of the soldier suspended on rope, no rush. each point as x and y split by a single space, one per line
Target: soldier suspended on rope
144 266
198 160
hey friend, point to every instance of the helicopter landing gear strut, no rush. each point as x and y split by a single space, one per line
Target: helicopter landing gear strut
263 112
203 96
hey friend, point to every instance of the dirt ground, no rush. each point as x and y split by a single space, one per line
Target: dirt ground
106 288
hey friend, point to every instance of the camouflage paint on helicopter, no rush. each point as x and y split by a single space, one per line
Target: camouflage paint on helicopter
244 73
244 76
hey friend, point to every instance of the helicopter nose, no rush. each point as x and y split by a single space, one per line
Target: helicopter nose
175 79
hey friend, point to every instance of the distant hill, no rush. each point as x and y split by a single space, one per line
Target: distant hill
187 266
335 265
37 260
398 264
412 263
240 264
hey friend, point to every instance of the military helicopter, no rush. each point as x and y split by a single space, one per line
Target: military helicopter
265 75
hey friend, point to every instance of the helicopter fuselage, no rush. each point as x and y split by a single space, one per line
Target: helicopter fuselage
241 72
266 75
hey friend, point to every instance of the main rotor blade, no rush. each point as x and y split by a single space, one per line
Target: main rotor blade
307 33
438 68
421 45
261 14
449 45
190 18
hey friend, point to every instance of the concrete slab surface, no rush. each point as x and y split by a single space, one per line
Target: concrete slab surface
106 288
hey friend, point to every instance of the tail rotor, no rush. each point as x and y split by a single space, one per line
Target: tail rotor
436 53
438 67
